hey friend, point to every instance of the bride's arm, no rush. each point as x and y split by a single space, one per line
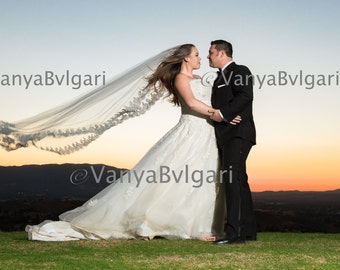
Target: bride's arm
182 84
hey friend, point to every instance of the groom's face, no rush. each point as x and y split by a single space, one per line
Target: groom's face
214 57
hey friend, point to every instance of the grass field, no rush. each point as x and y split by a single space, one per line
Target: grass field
270 251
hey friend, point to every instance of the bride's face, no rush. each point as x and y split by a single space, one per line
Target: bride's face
193 59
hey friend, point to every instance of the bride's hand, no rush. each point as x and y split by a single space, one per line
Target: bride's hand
211 111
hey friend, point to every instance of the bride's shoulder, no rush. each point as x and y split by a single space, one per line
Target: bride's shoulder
181 77
183 81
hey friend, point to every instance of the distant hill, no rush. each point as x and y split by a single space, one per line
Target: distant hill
32 193
295 196
296 211
79 181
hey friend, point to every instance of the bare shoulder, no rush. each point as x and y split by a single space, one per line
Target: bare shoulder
182 80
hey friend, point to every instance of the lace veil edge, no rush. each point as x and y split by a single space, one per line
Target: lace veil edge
87 117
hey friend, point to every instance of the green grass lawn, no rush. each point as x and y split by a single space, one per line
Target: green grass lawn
270 251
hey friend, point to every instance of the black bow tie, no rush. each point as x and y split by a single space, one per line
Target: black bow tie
219 73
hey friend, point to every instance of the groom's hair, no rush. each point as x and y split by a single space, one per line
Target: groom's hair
222 45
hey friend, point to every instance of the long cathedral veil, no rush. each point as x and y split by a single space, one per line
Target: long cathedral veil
85 118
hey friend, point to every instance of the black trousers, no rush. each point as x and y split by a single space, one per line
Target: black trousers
239 204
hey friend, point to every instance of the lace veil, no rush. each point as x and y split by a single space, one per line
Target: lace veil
85 118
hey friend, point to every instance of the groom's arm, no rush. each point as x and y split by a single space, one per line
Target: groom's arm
242 86
217 116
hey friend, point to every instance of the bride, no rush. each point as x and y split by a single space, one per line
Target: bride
173 191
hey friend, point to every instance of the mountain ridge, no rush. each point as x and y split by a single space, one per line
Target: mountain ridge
30 194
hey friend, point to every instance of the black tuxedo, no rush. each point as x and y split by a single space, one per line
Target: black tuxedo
233 95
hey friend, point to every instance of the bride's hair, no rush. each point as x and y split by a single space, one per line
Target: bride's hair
167 70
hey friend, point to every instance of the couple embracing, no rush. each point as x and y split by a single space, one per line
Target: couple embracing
215 132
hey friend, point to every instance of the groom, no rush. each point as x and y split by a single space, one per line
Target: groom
232 95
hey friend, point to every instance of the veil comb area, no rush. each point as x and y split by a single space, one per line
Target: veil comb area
85 118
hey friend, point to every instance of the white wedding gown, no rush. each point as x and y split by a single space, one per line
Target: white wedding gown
170 193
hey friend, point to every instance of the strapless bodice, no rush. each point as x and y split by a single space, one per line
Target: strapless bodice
201 92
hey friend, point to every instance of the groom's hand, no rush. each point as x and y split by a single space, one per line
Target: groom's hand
236 120
217 116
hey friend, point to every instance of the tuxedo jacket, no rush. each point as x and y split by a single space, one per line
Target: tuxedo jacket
233 95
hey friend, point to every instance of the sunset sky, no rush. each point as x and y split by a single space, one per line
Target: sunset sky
291 47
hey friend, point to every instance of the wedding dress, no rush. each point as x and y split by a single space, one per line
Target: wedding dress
170 193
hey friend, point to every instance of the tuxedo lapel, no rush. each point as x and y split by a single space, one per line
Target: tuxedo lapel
228 73
222 89
218 78
223 79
